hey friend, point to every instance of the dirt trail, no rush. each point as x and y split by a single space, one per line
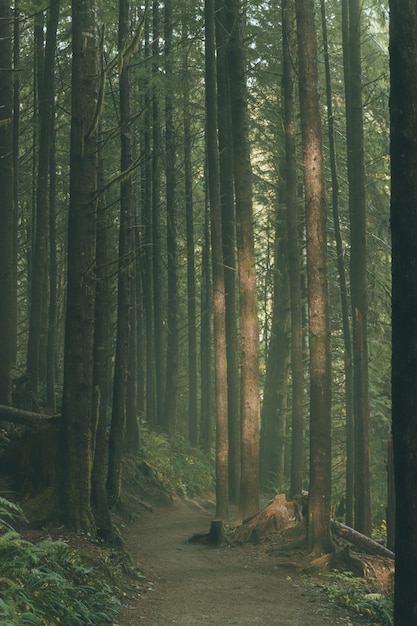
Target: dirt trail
191 584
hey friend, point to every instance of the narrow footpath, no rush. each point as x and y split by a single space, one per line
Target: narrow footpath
190 584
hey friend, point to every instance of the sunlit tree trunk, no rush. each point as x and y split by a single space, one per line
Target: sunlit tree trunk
319 535
79 329
294 269
249 325
220 358
403 109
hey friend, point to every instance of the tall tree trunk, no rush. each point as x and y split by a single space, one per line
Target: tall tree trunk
229 254
124 283
148 242
79 329
7 272
249 325
191 273
156 221
206 404
44 63
171 385
15 140
48 152
358 280
101 362
348 365
275 397
220 358
319 535
403 106
294 270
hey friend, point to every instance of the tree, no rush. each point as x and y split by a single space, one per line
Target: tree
358 261
79 327
7 272
403 99
125 268
319 536
294 271
220 357
249 325
229 252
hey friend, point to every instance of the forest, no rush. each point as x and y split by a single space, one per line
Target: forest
196 234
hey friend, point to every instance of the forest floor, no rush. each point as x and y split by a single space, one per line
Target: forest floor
191 584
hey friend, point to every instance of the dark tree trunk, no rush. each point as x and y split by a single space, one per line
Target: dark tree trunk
79 329
220 358
156 222
125 267
171 385
191 273
348 365
206 406
148 281
403 103
319 535
7 272
100 373
358 280
229 254
275 397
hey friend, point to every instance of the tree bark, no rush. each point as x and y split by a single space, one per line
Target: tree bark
358 279
220 357
229 253
79 329
319 536
403 114
7 272
249 324
294 269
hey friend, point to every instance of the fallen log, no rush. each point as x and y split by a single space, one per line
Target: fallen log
25 418
368 545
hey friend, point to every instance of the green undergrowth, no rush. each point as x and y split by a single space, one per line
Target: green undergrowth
363 596
182 469
48 582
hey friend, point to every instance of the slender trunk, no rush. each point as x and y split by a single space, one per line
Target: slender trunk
249 325
171 385
156 223
191 273
348 365
294 269
206 407
124 283
220 358
358 282
6 205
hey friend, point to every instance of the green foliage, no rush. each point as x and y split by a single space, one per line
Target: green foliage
182 469
47 583
364 596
